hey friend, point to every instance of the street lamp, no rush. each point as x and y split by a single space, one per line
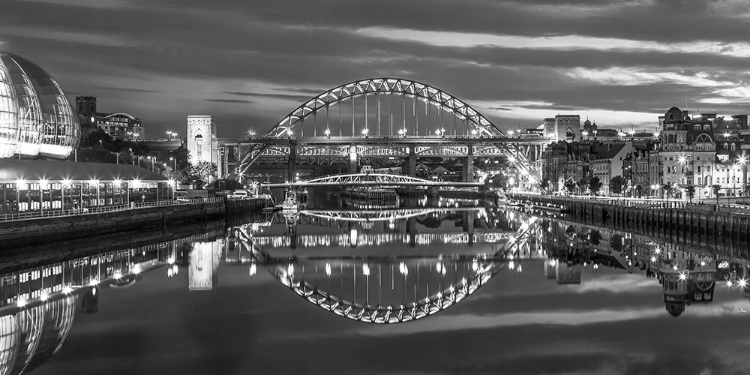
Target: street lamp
328 133
290 133
175 162
365 131
474 132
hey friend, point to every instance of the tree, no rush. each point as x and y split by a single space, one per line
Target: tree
616 184
595 237
667 189
616 242
570 184
690 190
595 185
583 184
201 173
716 192
544 185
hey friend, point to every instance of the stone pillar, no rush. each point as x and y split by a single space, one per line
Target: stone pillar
411 163
468 169
292 165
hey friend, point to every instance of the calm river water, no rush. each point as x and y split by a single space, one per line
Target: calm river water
456 287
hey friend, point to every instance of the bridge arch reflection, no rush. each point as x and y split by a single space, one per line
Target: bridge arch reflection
383 289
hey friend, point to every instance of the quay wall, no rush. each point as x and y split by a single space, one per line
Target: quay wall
676 222
33 232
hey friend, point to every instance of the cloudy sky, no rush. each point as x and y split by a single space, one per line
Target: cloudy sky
249 63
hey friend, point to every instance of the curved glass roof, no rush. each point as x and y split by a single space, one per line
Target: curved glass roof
36 118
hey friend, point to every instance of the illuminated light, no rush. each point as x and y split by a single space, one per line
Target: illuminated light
474 132
726 134
67 290
253 269
170 182
93 182
657 250
729 282
169 272
117 274
653 259
327 132
136 269
21 302
511 265
328 269
596 266
683 276
682 159
290 132
674 268
118 182
175 269
170 260
20 184
93 282
438 267
44 296
93 291
290 269
66 182
742 283
366 269
136 184
474 265
552 262
43 184
703 263
657 134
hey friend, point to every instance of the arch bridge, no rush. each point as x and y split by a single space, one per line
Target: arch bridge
388 118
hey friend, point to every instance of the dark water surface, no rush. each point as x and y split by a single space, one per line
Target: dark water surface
457 290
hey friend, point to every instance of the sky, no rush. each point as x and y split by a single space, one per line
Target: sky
620 63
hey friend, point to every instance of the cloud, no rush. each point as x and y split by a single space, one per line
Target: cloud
229 101
125 89
295 98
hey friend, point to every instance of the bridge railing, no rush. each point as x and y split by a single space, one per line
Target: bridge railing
101 209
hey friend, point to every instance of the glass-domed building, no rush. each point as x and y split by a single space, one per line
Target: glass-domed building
36 119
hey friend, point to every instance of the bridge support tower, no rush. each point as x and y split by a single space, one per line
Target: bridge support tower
411 163
292 166
468 168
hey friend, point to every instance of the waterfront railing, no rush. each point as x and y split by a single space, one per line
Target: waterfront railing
103 209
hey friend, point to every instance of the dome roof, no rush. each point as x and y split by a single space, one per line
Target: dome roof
36 118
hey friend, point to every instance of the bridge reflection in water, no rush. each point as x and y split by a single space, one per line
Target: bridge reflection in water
392 288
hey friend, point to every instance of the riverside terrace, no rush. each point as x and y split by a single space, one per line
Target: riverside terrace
28 186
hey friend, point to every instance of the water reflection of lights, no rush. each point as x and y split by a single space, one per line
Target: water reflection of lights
328 269
253 269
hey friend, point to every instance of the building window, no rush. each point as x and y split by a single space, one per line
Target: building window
732 146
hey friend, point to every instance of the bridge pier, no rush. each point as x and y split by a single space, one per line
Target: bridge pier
411 163
292 165
468 167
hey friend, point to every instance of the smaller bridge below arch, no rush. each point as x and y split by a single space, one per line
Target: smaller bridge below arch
371 180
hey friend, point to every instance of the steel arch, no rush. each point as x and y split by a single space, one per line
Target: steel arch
388 86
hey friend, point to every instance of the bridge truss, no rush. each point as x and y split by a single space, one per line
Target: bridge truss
370 179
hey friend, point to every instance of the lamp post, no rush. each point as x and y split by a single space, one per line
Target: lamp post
175 162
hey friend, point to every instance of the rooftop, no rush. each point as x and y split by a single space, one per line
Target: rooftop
14 169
